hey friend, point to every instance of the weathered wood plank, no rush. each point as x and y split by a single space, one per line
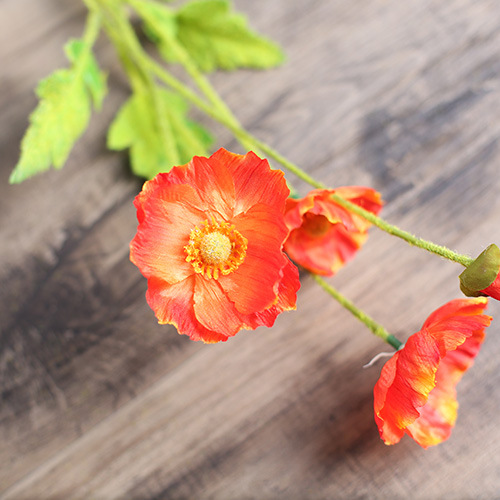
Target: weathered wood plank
97 401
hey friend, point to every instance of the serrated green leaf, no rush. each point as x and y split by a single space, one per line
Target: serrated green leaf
136 126
213 35
63 113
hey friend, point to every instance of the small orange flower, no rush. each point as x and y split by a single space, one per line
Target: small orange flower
416 390
323 235
209 241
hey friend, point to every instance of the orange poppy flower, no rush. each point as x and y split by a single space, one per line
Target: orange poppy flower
416 391
323 235
209 241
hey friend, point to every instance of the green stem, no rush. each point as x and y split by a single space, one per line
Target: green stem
375 327
92 29
404 235
118 27
217 110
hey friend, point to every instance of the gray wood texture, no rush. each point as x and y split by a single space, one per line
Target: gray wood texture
100 402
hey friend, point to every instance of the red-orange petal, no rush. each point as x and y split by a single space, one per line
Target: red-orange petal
256 183
173 304
158 246
213 179
254 285
287 297
326 254
416 390
324 235
214 310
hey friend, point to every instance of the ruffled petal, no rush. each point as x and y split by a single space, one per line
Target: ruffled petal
158 247
324 235
214 310
173 304
389 431
254 285
256 183
213 180
366 198
438 415
327 253
286 301
416 390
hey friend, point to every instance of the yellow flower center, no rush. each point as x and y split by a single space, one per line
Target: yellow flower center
215 248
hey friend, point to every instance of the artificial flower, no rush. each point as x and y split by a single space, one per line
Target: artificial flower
324 235
415 393
210 240
482 276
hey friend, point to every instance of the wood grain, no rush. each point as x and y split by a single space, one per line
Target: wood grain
98 401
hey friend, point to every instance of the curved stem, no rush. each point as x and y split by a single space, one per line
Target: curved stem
218 110
376 328
442 251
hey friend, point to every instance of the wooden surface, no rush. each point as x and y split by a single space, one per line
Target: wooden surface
99 402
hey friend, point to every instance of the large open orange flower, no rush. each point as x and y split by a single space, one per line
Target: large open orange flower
209 241
416 390
323 235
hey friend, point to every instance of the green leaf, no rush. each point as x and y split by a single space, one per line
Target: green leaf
137 126
63 113
213 35
94 78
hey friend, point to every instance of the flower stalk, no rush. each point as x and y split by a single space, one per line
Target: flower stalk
376 328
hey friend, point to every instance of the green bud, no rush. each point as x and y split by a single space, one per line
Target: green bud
481 273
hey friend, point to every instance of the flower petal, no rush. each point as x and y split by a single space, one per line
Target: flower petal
255 182
493 290
416 390
287 297
366 198
213 180
173 304
323 234
254 285
214 310
158 247
327 253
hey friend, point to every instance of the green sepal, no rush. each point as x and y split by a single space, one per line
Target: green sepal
136 126
63 113
481 273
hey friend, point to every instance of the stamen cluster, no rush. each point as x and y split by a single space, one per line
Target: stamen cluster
215 248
